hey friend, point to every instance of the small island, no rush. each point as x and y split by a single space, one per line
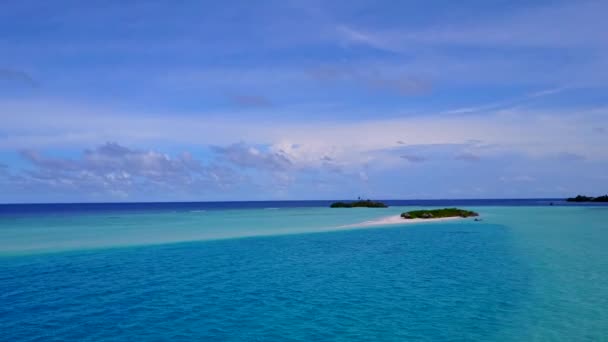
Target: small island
581 198
359 204
438 213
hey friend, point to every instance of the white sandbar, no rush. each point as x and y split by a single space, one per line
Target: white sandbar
397 219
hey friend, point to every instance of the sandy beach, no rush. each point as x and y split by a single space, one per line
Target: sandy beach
396 219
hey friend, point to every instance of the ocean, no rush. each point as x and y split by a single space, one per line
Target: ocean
292 271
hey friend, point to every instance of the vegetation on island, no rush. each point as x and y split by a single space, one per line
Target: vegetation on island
580 198
438 213
359 204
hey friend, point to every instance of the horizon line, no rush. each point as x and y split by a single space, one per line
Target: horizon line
293 200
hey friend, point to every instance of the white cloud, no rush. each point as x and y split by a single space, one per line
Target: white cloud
572 24
414 158
246 156
374 78
113 169
530 132
467 157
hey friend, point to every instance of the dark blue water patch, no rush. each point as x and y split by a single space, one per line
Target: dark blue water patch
94 208
440 282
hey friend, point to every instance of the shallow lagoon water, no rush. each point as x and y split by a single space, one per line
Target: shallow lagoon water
290 274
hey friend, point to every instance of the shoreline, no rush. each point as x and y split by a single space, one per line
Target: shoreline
396 219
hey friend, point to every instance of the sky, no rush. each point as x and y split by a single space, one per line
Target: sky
105 101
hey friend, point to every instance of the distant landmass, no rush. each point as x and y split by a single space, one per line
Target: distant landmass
438 213
581 198
359 204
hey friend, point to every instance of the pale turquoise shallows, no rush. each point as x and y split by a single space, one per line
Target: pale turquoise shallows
295 274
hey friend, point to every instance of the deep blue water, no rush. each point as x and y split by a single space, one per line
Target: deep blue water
526 272
73 208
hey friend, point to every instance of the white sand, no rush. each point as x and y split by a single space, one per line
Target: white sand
397 219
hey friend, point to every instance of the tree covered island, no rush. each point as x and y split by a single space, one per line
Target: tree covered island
581 198
359 204
438 213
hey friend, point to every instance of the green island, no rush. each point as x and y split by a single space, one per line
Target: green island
580 198
438 213
359 204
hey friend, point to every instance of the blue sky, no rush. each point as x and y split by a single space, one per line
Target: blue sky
253 100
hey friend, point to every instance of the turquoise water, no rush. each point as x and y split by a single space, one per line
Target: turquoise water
291 274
